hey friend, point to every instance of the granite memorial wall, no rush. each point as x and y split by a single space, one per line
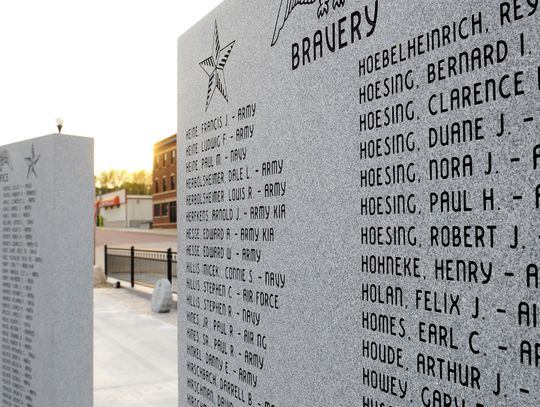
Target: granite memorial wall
359 217
46 201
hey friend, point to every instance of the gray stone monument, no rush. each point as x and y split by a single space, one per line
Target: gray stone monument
46 197
359 193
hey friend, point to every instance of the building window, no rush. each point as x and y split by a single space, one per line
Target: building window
156 186
157 210
173 183
164 184
172 214
165 209
164 159
157 161
173 156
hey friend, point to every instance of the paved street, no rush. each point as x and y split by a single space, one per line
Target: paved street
135 352
141 239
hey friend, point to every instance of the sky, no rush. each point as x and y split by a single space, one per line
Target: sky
107 67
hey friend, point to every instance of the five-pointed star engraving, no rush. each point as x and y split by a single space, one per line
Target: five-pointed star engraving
32 161
213 66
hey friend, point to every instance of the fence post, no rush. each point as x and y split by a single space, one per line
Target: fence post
106 262
132 266
169 265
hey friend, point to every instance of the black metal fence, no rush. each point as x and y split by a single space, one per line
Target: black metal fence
143 267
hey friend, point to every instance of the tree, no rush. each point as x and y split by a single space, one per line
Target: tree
140 183
135 183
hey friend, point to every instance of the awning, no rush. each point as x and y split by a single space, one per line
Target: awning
107 203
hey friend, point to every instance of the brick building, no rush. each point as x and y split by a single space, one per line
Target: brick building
164 187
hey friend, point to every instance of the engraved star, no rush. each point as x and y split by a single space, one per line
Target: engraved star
32 161
213 66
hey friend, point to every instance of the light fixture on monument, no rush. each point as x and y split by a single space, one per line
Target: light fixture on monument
59 124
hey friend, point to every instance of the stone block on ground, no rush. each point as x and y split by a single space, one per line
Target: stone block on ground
99 276
162 296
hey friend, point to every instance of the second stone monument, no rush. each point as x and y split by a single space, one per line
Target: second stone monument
46 201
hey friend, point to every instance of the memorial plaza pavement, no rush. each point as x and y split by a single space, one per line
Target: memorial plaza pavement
135 351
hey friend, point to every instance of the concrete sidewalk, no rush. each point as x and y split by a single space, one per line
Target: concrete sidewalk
135 351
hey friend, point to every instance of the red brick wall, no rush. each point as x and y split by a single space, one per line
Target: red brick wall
164 183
